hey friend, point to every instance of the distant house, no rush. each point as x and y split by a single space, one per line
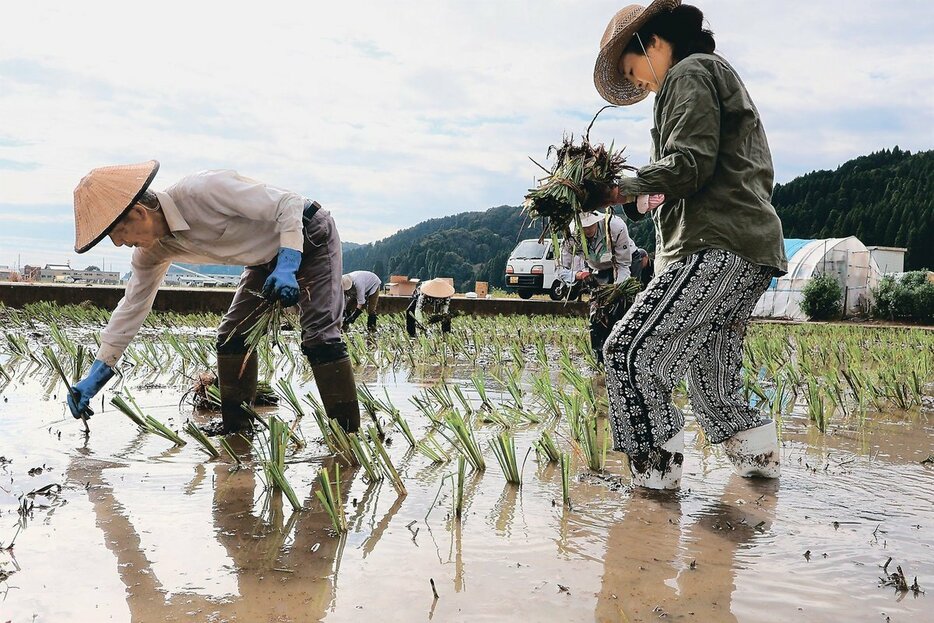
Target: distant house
64 273
7 273
203 275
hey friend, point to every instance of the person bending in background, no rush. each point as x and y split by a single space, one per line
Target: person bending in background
361 290
430 304
608 259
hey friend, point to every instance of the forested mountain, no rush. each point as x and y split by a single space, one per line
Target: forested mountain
885 198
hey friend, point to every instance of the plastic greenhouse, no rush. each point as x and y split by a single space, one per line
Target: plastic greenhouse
847 259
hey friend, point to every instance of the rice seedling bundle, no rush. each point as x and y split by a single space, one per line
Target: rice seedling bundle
613 293
578 173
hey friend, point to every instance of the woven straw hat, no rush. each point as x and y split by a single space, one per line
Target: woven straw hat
437 288
104 195
346 282
611 84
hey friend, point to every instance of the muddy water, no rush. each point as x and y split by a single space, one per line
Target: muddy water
143 532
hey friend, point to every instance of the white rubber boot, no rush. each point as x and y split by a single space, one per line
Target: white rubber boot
662 468
754 452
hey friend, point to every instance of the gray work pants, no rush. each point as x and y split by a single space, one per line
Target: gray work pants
321 298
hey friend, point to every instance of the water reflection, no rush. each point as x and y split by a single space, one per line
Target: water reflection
284 564
662 563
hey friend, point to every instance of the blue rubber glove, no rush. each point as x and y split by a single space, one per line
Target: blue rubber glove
79 396
282 285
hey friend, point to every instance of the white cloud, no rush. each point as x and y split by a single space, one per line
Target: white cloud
390 113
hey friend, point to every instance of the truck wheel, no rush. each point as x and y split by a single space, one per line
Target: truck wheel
558 290
525 294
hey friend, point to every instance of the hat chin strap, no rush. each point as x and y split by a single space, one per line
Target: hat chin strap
649 60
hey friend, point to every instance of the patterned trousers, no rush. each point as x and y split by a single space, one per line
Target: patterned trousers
691 319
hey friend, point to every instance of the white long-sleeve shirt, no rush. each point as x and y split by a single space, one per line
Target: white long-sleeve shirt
365 284
618 256
214 217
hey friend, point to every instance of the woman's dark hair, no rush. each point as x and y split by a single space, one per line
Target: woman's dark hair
682 27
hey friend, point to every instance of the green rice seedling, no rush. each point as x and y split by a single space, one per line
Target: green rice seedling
441 395
461 398
463 439
518 355
365 457
137 418
371 405
330 497
403 426
231 452
341 442
574 411
594 443
459 487
546 394
192 429
546 447
145 423
274 460
566 478
385 462
53 362
504 448
287 392
511 382
817 408
427 409
433 450
479 384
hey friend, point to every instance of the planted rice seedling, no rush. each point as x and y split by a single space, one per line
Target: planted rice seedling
546 447
504 448
192 429
273 459
385 462
566 478
463 439
330 496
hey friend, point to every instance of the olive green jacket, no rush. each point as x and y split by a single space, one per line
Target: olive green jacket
712 161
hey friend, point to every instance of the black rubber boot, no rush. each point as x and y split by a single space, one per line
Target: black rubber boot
237 378
338 389
371 322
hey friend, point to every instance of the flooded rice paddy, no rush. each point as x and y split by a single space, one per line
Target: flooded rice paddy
122 525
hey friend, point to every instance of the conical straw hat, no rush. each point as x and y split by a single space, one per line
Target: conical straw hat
104 195
610 83
437 288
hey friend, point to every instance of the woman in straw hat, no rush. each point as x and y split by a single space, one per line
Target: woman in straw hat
430 304
719 243
290 248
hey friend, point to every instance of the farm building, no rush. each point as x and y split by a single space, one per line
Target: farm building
848 259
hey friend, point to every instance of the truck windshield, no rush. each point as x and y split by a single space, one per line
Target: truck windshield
528 250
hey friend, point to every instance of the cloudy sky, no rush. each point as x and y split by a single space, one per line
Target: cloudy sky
390 113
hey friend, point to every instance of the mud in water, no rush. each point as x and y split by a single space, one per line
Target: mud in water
141 531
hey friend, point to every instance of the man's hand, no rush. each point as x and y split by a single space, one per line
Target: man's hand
79 395
582 275
282 284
